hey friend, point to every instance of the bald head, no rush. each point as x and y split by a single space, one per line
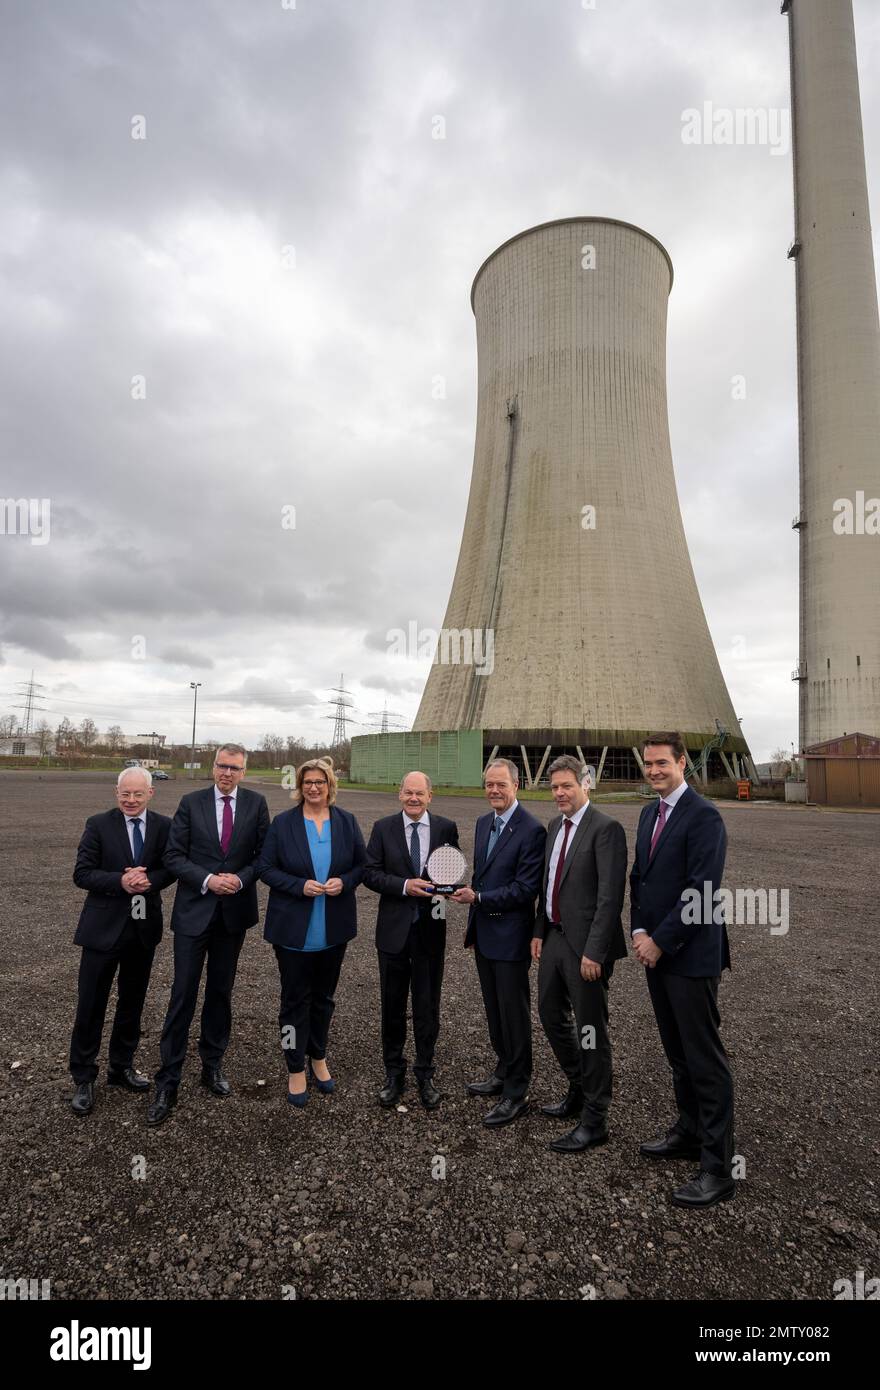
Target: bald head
415 794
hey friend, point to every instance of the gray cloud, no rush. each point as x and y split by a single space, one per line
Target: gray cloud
311 387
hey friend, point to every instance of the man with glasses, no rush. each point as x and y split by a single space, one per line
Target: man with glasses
119 864
213 848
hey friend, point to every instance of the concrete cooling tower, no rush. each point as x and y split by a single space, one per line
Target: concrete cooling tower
574 589
838 381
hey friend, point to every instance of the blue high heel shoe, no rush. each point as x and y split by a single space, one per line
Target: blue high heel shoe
298 1100
325 1087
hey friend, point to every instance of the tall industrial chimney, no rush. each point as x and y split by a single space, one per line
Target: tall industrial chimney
838 380
573 573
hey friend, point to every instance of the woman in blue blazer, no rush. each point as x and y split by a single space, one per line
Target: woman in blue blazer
313 860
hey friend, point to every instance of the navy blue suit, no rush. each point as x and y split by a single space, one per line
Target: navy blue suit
286 863
309 978
207 926
689 855
500 928
502 924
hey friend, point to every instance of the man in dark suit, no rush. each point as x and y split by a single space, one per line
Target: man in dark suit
410 934
578 937
680 849
508 863
119 863
213 848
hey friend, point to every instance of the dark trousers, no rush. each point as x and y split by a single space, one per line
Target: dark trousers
568 1005
222 948
134 959
308 984
417 969
506 999
686 1010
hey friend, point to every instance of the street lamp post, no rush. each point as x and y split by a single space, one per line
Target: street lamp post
194 687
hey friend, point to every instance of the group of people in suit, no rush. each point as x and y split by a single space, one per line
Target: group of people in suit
547 897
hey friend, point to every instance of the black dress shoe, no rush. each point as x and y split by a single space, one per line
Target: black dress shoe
392 1091
213 1078
129 1078
580 1138
704 1190
162 1106
429 1095
672 1145
573 1104
505 1111
490 1087
83 1099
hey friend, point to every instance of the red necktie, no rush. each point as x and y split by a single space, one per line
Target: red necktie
658 826
226 833
554 897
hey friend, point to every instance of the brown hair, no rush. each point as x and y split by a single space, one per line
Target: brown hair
566 763
324 765
670 740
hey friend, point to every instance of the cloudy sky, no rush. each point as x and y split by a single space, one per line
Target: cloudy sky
245 307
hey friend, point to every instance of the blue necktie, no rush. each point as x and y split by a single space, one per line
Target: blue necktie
415 851
494 836
137 841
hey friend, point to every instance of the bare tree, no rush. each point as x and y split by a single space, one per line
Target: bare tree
114 738
8 725
780 763
43 735
88 732
272 745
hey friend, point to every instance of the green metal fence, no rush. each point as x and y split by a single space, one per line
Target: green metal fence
450 759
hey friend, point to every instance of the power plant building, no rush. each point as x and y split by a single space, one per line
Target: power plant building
574 622
838 355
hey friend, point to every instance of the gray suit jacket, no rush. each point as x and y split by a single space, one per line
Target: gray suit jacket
592 889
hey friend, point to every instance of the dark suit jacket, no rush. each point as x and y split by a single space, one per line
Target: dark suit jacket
194 851
286 863
388 867
690 853
503 922
592 889
103 855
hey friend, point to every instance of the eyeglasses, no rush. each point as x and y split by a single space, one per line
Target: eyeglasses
321 783
227 767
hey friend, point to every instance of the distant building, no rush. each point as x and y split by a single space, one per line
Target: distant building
21 746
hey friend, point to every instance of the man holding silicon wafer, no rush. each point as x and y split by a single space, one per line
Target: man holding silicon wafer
410 934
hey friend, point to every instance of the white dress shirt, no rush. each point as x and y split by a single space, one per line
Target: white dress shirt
218 807
557 850
129 825
671 801
424 826
218 811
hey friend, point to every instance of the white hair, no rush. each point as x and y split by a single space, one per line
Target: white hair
138 771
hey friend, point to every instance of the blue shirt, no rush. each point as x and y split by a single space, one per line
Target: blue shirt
319 848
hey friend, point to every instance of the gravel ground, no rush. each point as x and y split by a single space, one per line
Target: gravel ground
243 1199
